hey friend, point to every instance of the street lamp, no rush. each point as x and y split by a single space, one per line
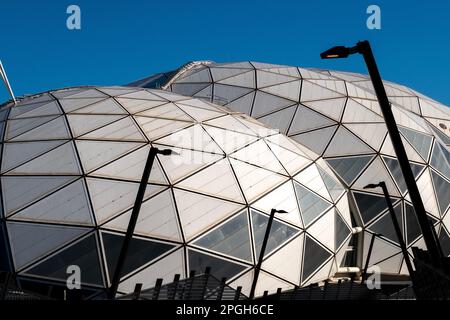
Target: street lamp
263 249
134 217
382 185
363 47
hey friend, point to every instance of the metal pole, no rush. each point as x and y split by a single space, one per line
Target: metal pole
369 253
6 81
366 51
397 229
132 224
261 254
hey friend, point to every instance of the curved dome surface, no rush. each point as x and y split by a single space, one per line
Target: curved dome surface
336 114
71 164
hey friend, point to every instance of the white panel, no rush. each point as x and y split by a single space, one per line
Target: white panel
229 141
108 106
375 173
230 123
380 251
286 263
217 180
291 161
61 160
155 128
311 178
282 198
124 129
70 105
255 181
260 155
323 229
346 143
330 107
94 154
355 112
200 114
166 111
136 105
427 193
371 133
35 110
312 91
81 124
198 213
157 218
54 129
289 90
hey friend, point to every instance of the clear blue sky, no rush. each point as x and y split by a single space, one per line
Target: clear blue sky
121 41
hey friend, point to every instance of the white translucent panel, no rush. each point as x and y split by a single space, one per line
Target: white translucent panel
137 105
141 94
110 197
348 76
229 141
282 198
324 229
329 107
124 129
312 91
267 79
246 79
360 92
266 103
131 167
199 76
157 218
279 119
255 181
380 251
194 137
70 105
217 180
84 93
409 120
32 241
289 144
346 143
260 155
67 92
371 104
54 129
316 140
334 85
200 114
245 282
388 149
286 262
409 103
243 104
306 119
433 109
288 71
17 127
186 162
169 95
155 128
230 123
375 173
355 112
35 99
198 212
427 193
166 111
206 93
224 93
164 269
223 73
18 153
267 282
391 265
311 178
321 274
344 209
335 189
291 161
421 142
69 205
256 126
289 90
61 160
18 192
116 91
94 154
81 124
243 65
371 133
35 110
108 106
200 104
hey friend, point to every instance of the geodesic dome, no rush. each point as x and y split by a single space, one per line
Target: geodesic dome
71 163
336 114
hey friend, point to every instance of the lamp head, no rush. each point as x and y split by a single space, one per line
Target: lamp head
372 186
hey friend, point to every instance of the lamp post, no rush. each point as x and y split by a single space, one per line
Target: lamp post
134 217
364 48
263 249
382 185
